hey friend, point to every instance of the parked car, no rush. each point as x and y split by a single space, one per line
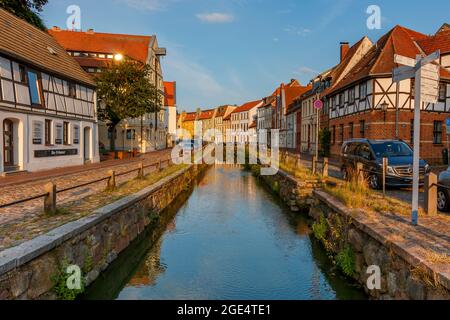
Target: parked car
443 201
371 153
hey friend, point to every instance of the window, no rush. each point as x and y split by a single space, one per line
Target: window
362 128
76 134
351 96
72 90
35 88
22 74
66 133
333 103
333 135
442 92
413 87
59 134
131 134
437 132
341 100
37 132
48 132
341 133
363 90
350 130
411 132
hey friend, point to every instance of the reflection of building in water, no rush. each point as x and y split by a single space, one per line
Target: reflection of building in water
149 272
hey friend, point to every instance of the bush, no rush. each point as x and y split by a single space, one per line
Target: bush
345 260
325 142
320 228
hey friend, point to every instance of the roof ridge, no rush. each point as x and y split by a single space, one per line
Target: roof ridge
102 33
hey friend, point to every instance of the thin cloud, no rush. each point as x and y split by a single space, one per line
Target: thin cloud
215 17
306 71
148 5
297 31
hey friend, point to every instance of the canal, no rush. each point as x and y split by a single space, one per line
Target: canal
227 238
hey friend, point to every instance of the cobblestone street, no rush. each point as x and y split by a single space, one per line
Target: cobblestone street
33 184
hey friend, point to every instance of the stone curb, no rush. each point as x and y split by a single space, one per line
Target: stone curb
17 256
372 229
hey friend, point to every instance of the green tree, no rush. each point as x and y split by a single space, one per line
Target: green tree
124 91
27 10
325 142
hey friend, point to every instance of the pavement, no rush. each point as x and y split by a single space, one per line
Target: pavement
13 188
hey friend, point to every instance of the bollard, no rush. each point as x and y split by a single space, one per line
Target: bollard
141 170
50 198
430 187
385 166
325 168
314 165
111 180
160 165
360 173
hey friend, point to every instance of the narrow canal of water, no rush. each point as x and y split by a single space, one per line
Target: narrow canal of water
228 238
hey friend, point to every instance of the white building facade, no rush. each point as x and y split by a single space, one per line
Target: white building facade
47 111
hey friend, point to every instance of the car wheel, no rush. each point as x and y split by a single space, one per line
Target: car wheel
374 182
442 200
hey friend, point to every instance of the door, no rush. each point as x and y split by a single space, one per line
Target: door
8 143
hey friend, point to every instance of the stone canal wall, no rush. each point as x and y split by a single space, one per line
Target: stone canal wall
359 242
355 243
36 269
294 192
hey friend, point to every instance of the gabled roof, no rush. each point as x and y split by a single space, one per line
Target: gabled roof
380 58
440 41
293 93
248 106
132 46
206 114
170 96
26 43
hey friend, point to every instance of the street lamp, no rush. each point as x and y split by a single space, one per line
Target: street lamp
118 57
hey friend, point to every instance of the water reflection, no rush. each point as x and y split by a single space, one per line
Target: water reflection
231 239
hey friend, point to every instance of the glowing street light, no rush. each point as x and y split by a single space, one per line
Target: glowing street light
118 57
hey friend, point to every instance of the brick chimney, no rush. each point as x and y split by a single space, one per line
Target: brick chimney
345 47
56 28
90 31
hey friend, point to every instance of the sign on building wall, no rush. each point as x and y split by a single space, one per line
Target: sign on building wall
55 153
37 132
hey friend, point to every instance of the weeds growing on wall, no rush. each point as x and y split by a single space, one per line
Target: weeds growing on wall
345 260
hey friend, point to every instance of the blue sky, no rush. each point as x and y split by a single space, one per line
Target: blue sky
232 51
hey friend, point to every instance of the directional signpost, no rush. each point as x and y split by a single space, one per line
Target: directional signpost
426 77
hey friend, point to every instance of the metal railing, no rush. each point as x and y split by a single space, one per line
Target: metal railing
51 190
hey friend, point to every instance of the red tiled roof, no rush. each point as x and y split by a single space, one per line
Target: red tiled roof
26 43
247 106
132 46
380 58
190 116
206 114
170 96
440 41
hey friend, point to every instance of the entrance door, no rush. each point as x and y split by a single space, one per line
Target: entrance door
8 143
87 144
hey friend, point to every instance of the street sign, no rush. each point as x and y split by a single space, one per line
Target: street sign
403 73
405 61
426 77
318 104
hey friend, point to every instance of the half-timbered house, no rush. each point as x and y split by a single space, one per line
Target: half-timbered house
47 102
368 104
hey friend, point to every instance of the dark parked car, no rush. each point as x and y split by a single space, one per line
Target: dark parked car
443 202
371 153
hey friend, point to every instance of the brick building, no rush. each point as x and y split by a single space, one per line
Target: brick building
366 103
